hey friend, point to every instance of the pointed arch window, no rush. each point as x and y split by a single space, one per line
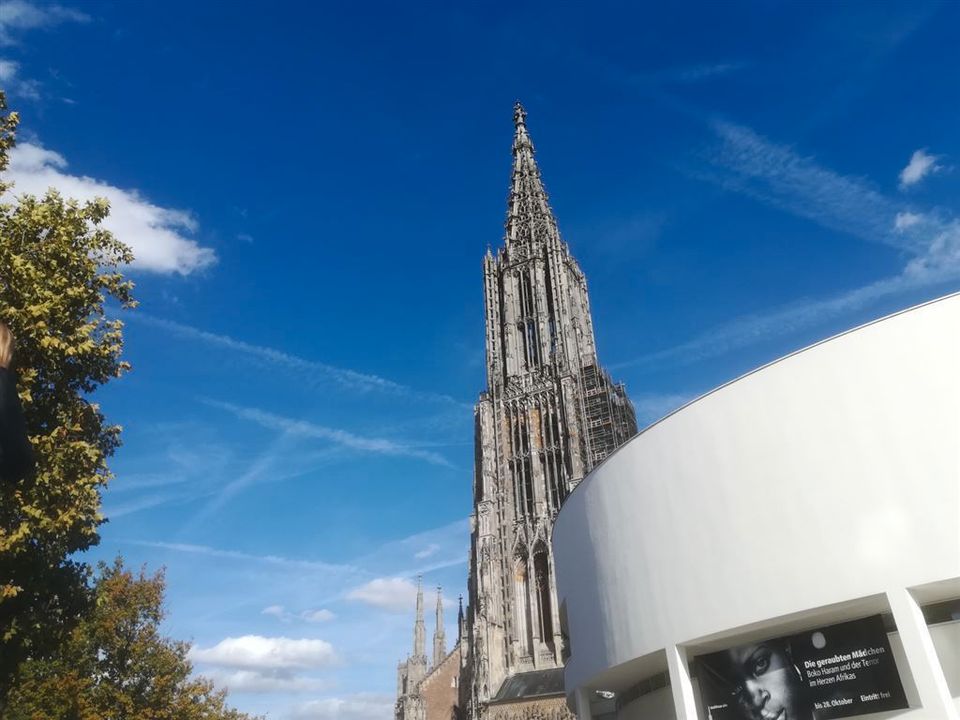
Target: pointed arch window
522 604
520 465
541 575
527 325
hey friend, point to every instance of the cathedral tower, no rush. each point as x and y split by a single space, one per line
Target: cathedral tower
549 414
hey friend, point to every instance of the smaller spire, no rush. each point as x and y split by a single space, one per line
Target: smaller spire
419 632
439 635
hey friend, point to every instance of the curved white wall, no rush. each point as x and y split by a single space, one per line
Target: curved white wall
829 476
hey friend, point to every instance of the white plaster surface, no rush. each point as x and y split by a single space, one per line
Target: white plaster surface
798 495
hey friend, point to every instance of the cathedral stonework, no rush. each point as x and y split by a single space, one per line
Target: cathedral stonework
430 692
550 413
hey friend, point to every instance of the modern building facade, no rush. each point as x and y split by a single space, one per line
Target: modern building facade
800 524
549 414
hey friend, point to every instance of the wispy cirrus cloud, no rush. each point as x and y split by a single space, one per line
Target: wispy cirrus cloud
653 406
921 164
346 570
318 615
16 85
19 15
697 73
428 551
389 559
745 162
158 236
433 549
315 370
117 510
684 74
344 438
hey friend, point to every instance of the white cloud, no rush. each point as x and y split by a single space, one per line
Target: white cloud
17 15
311 616
253 681
921 164
941 261
363 706
254 652
16 85
318 616
8 70
394 594
906 220
156 234
344 438
429 550
276 611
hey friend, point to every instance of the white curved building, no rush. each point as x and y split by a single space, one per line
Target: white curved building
820 489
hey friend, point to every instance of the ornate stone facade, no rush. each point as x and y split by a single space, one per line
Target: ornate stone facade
551 708
550 413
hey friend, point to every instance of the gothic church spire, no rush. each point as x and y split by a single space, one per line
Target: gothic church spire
419 630
529 217
439 636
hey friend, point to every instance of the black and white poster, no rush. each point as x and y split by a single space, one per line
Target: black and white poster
830 672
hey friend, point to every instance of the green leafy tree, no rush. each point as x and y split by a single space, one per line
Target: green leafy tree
58 267
117 666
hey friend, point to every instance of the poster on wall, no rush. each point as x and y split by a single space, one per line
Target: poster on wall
830 672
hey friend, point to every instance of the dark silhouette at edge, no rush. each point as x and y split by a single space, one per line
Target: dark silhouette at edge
16 453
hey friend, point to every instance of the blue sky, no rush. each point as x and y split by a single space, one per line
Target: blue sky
309 191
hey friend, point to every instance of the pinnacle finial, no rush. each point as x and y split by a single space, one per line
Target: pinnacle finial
519 114
521 138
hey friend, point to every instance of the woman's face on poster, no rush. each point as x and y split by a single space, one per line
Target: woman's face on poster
767 686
